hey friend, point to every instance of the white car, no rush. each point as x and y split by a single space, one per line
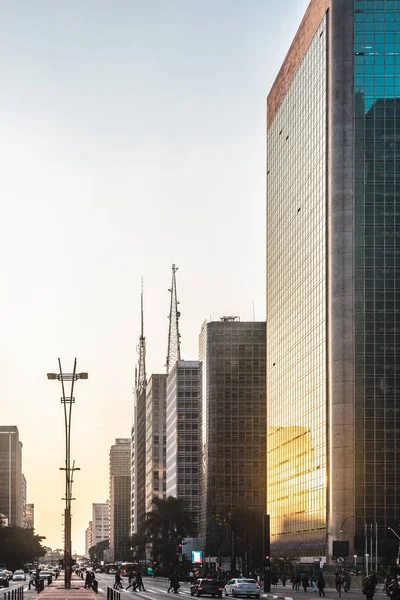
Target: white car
243 587
19 576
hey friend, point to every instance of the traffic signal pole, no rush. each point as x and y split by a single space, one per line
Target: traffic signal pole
266 554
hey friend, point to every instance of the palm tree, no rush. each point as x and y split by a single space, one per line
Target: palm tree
166 526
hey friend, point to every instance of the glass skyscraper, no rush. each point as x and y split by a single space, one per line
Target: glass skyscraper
333 222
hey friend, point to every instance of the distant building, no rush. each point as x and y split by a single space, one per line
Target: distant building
138 449
88 538
11 482
23 501
182 433
30 516
120 497
100 522
232 423
155 439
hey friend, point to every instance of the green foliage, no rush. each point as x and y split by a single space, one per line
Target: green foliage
19 546
165 527
96 552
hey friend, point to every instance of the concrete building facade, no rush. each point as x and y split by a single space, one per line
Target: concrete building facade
11 482
120 498
88 538
155 439
182 434
30 516
332 196
138 463
232 423
100 522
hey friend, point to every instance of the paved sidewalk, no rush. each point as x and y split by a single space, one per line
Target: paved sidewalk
56 591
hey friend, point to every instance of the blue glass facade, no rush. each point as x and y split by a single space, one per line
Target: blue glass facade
377 260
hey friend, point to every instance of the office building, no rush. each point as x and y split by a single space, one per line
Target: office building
88 538
120 498
155 440
30 516
233 422
11 482
332 229
100 522
182 433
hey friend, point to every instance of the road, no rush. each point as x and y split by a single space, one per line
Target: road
157 590
15 584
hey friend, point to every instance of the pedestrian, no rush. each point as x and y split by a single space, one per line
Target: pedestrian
305 582
388 581
314 583
38 581
321 585
139 582
297 581
369 589
172 583
118 581
88 579
31 580
338 584
131 581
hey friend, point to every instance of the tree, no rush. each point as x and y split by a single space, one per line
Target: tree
165 527
96 552
19 546
244 533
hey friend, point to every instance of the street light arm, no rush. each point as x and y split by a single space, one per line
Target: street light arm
396 534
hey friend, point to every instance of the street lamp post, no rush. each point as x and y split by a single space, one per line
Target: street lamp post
69 471
398 550
355 561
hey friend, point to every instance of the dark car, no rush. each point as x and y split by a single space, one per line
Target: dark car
4 581
206 587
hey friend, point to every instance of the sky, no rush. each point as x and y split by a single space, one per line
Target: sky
132 137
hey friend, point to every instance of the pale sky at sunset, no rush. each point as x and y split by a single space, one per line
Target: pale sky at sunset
132 137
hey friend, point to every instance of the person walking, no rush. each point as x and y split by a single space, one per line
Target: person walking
118 581
88 579
321 585
172 583
31 580
139 583
305 582
369 589
338 584
132 581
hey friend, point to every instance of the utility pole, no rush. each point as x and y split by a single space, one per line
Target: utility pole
174 337
68 401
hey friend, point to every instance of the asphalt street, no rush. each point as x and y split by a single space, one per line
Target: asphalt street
157 590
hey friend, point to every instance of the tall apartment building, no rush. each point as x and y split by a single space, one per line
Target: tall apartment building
88 538
120 497
233 422
333 208
100 522
11 492
30 516
155 439
182 433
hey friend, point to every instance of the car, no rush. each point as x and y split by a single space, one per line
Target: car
243 587
45 574
206 587
19 576
98 570
4 582
111 571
